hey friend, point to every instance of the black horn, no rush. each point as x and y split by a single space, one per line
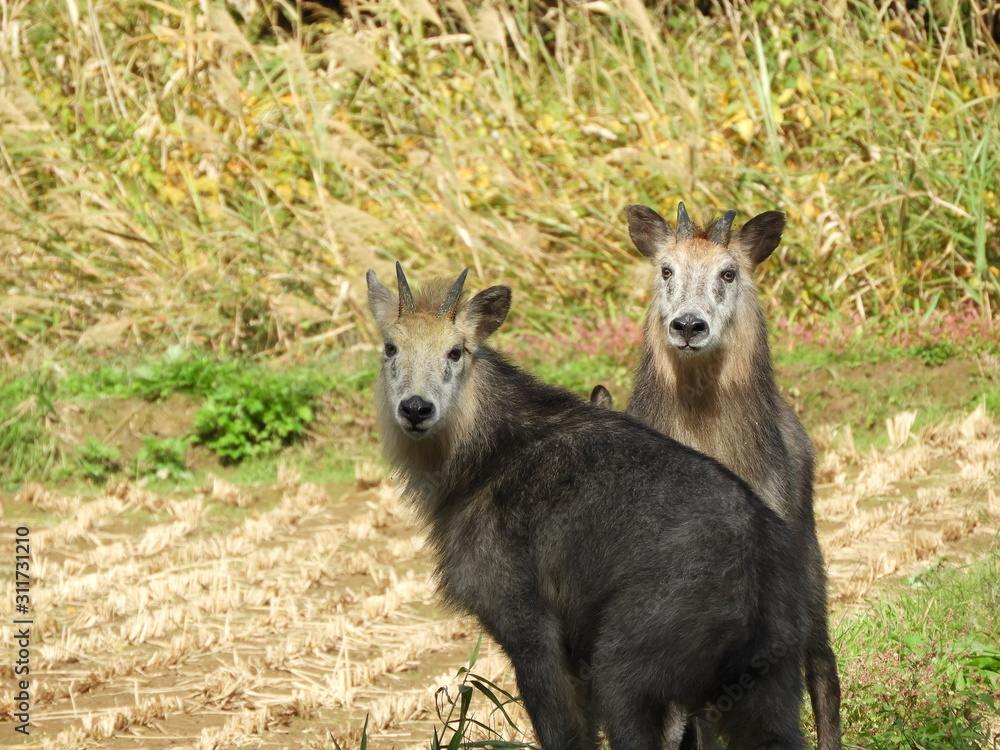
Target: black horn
406 305
685 230
450 304
720 233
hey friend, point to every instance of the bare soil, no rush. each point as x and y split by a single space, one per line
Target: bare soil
126 423
282 617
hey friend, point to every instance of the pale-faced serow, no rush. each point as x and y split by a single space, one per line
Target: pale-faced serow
629 579
705 378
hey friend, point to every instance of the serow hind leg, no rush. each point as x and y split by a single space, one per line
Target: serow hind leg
824 691
632 720
635 727
764 714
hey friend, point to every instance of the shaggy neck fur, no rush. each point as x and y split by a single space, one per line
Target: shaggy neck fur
723 403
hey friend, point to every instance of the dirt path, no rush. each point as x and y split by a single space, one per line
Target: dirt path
280 618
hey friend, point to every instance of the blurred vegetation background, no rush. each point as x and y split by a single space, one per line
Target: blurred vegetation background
220 175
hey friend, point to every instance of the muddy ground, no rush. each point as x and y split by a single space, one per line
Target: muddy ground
283 616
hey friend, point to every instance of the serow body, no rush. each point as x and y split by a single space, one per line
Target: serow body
629 579
705 379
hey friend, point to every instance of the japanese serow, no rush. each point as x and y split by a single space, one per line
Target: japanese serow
705 379
630 580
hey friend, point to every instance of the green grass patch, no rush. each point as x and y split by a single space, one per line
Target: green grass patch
26 447
878 399
322 467
248 412
580 376
177 370
865 400
921 668
933 337
29 515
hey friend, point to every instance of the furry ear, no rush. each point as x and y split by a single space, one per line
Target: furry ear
382 301
761 235
649 231
600 396
485 312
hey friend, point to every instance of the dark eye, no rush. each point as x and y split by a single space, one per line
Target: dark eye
729 276
667 273
390 349
455 354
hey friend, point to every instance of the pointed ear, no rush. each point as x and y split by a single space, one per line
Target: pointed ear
649 231
761 235
383 303
600 396
484 313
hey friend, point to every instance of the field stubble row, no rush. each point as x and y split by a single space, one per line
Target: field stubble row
300 610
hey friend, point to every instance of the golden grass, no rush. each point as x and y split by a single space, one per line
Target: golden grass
904 504
169 175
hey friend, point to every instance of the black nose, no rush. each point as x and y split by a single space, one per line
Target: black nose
689 326
415 410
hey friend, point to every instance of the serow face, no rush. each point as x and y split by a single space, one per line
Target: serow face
423 370
696 294
702 275
429 345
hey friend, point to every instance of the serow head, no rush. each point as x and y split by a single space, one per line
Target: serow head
704 276
430 343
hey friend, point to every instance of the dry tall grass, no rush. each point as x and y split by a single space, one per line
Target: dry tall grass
169 174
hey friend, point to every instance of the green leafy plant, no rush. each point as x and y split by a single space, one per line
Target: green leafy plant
97 461
163 458
934 353
255 415
459 728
